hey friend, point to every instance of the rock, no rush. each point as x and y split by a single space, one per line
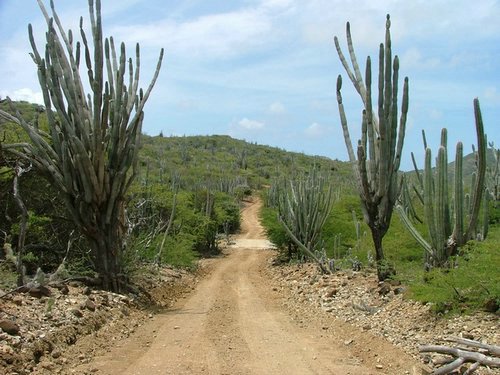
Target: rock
77 313
90 305
9 326
331 293
379 367
6 349
384 289
39 291
87 291
491 305
398 290
17 300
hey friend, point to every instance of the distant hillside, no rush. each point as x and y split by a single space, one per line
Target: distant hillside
217 157
206 160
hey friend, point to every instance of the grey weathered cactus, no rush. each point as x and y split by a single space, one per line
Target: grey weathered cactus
446 231
90 154
379 150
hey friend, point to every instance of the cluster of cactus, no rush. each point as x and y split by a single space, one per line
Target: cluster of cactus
379 149
93 141
303 210
444 220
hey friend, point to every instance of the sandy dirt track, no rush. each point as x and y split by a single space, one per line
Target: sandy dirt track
234 323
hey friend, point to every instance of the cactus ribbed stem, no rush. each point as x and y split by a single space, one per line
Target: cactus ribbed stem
380 147
91 151
446 231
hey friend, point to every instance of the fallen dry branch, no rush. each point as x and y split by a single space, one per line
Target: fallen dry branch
487 357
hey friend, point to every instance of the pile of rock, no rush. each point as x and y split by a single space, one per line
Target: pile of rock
381 308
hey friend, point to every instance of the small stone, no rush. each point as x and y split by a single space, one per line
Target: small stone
90 305
77 313
64 289
176 327
384 289
10 327
491 305
379 367
331 293
46 365
87 291
398 290
348 342
39 291
55 354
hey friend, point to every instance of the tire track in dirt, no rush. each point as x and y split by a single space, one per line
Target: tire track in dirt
232 323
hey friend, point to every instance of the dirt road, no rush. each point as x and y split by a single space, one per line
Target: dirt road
233 323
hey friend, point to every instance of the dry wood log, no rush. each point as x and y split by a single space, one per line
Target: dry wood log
464 355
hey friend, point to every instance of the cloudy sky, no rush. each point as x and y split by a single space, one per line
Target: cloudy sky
265 70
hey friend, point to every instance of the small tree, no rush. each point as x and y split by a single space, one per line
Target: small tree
91 149
379 149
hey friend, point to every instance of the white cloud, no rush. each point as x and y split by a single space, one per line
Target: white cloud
210 36
277 108
491 94
413 58
250 124
25 94
316 130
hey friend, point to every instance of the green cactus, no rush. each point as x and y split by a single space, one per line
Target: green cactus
447 231
379 150
90 154
493 174
303 210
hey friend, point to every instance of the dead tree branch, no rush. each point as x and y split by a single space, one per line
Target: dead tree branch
464 354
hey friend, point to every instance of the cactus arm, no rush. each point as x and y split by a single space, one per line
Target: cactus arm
441 194
402 125
343 121
429 198
458 231
413 231
481 169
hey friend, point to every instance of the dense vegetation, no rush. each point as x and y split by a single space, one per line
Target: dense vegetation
208 175
83 191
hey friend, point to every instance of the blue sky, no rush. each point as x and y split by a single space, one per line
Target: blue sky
265 71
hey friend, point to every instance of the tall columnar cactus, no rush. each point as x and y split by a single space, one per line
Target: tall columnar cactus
379 150
303 211
446 231
493 174
90 154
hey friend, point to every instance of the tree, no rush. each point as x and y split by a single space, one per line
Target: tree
379 149
90 151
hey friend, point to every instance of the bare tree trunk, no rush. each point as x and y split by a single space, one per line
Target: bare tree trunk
23 225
